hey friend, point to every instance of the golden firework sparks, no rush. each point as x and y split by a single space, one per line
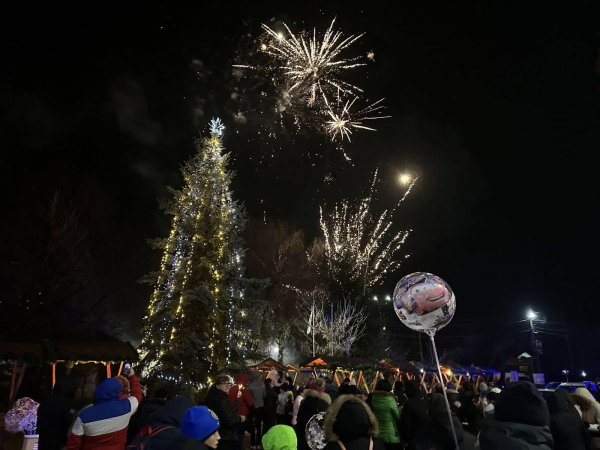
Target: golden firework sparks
371 55
344 121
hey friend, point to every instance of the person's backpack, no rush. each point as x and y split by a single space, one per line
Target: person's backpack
144 437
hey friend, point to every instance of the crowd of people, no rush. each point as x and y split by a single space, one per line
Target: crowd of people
399 414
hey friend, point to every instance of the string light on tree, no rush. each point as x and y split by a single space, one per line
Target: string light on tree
191 324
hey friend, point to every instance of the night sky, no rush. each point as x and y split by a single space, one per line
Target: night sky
496 103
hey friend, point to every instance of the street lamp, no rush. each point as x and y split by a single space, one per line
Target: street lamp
583 374
388 298
566 373
531 315
375 298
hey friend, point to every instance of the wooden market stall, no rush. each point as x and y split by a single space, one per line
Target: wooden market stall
110 353
360 369
265 366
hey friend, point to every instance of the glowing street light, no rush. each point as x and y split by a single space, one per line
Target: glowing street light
566 374
375 298
531 315
388 298
583 374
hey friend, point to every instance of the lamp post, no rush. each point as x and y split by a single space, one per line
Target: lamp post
583 374
566 373
531 315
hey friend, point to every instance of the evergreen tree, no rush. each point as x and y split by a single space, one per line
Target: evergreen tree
196 324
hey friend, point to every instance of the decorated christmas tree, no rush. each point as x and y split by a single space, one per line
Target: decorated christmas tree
195 324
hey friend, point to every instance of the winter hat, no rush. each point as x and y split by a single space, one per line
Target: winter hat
352 421
483 387
280 437
289 393
437 407
199 422
521 402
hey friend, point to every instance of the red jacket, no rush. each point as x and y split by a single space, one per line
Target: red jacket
104 425
246 400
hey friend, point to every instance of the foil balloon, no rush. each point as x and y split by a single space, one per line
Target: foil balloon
424 302
315 435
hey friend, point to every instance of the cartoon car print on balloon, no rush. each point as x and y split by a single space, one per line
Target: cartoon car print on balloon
424 301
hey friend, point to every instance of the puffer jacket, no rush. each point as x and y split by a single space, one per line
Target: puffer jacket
225 411
386 410
497 435
104 425
314 402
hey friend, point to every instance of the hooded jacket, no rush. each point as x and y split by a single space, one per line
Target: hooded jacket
280 437
566 425
171 416
246 402
104 425
589 406
257 389
414 413
350 421
438 433
314 402
522 421
225 411
54 415
386 410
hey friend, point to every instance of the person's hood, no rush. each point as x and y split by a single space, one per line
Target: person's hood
280 437
349 418
319 395
108 390
497 435
521 402
254 375
241 378
412 389
173 411
64 385
583 397
560 401
383 394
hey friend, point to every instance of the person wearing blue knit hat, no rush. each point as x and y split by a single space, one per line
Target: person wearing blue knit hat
201 424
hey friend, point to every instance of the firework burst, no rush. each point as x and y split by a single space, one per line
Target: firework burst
343 121
359 245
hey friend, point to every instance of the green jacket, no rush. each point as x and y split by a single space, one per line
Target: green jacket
386 410
497 435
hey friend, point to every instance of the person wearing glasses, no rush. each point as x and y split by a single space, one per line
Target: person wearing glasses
217 400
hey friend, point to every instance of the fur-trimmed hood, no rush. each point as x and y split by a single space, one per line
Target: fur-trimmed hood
339 405
320 395
384 393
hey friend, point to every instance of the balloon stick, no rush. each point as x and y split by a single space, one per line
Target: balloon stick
431 333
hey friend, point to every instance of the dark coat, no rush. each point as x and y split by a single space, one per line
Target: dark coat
470 413
270 401
148 413
225 411
171 416
357 444
497 435
314 402
567 426
438 435
414 413
54 415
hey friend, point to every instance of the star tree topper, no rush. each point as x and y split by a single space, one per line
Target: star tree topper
216 127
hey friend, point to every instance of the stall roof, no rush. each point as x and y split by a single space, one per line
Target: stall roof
344 361
77 351
268 363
